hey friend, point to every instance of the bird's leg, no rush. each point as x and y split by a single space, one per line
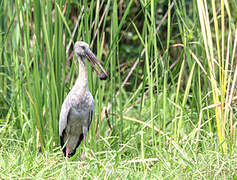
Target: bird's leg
67 146
85 132
67 150
83 152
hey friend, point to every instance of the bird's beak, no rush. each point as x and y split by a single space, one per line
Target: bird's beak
93 60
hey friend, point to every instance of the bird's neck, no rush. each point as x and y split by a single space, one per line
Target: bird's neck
81 82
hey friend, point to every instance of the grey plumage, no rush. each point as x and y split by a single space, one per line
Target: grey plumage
78 107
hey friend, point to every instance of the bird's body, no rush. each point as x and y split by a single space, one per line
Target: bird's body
78 107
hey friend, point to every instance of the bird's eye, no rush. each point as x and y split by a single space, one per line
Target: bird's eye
83 47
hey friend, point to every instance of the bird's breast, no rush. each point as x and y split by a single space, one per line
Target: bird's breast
81 105
78 114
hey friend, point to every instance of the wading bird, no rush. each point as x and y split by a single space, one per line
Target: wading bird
78 107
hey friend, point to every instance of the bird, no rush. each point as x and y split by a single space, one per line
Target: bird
78 107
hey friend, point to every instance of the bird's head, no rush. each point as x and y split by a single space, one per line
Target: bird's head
82 49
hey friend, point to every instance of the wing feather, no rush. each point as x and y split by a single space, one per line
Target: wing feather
65 110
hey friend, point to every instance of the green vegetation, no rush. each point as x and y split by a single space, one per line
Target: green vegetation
168 110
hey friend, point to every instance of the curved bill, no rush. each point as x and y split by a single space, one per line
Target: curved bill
93 60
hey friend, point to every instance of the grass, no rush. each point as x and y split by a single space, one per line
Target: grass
168 110
171 162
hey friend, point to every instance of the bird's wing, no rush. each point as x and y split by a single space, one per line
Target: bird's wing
65 111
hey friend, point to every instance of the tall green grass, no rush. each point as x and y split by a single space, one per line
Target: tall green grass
172 82
221 87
